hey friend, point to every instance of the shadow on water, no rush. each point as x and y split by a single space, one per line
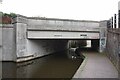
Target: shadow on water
57 65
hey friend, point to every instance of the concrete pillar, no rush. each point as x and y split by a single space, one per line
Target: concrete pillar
21 40
103 35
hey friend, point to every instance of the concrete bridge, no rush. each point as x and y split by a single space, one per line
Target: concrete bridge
32 37
49 28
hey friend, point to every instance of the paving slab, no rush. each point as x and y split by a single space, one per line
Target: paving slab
96 65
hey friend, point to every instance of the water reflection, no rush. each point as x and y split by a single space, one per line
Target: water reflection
57 65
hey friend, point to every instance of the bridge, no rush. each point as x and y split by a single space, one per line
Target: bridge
50 28
32 37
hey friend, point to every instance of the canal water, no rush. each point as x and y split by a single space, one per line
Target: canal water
57 65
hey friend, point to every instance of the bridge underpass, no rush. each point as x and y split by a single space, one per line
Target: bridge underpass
36 38
62 38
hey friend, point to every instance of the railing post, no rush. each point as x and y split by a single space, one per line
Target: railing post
119 19
112 22
115 21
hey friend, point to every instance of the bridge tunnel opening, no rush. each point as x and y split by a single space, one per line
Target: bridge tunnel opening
39 48
85 44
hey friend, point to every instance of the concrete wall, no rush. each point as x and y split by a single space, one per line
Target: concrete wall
0 51
8 43
113 46
0 42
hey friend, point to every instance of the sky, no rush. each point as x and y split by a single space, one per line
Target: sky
65 9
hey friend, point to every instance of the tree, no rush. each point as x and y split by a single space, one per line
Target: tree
1 14
6 18
13 15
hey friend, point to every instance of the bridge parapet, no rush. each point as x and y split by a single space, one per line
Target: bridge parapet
58 24
62 25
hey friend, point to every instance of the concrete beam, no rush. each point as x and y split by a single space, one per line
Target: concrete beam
61 35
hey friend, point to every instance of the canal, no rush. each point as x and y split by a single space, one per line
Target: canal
57 65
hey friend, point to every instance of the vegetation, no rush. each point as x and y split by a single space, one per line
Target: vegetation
6 18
